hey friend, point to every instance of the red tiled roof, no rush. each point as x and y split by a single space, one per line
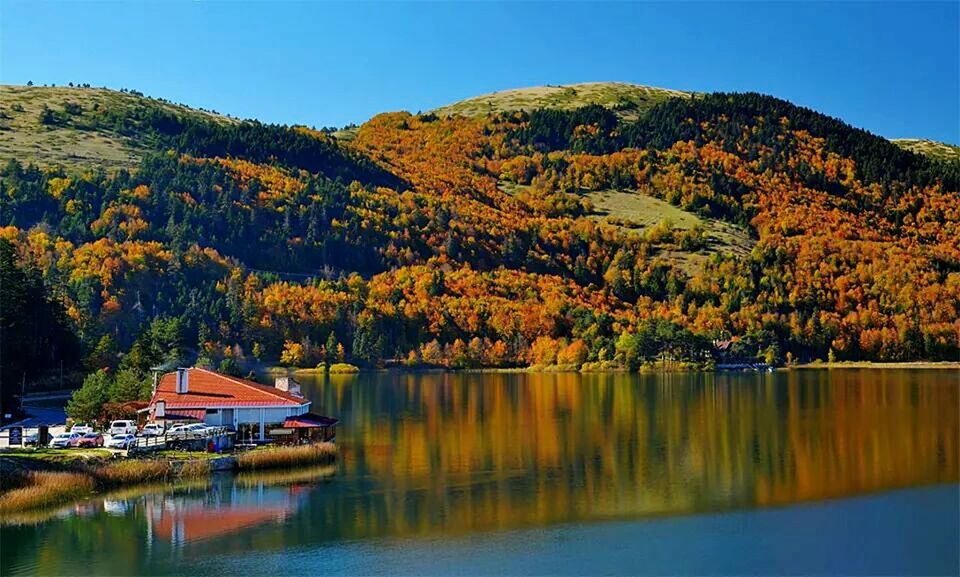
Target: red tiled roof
185 414
309 421
209 389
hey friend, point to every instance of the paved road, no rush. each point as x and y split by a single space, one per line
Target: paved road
37 416
53 416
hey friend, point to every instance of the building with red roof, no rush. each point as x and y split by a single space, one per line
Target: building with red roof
204 396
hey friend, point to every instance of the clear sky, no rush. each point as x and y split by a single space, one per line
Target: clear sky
892 68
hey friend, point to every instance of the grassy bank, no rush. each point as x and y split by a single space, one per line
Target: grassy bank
47 482
147 471
41 489
60 456
277 477
343 369
334 369
286 457
40 479
588 367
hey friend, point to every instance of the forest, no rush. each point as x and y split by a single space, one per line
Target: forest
462 242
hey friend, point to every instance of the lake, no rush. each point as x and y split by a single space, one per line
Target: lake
811 471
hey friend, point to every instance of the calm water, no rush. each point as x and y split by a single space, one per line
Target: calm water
829 472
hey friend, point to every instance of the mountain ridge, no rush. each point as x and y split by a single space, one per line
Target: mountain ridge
576 236
67 137
628 98
21 135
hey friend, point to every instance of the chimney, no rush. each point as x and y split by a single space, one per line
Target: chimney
288 385
182 381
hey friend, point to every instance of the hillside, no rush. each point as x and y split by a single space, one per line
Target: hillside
70 135
644 216
933 149
629 99
565 235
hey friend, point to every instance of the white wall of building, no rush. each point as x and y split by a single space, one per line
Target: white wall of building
255 416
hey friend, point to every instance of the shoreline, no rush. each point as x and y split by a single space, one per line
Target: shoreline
645 369
955 365
39 481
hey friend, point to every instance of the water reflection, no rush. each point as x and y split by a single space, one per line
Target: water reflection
461 452
217 511
448 454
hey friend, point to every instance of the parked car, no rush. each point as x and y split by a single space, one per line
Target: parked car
65 440
91 440
152 430
122 441
123 428
81 428
31 438
183 430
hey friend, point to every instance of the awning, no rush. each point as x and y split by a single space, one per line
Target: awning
309 421
185 415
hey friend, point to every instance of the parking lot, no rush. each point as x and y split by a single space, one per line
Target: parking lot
47 411
5 439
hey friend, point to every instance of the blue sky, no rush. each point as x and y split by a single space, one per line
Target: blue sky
892 68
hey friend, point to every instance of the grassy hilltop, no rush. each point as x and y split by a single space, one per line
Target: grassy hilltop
69 135
933 149
630 99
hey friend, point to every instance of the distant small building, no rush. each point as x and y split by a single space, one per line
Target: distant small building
201 396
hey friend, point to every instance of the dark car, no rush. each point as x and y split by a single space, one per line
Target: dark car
90 440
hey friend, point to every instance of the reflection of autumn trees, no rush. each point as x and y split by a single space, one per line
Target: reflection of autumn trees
443 453
509 450
887 432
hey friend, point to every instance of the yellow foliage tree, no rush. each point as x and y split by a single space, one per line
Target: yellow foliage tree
292 354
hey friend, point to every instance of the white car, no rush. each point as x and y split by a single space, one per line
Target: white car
152 430
186 429
121 441
65 440
123 428
81 428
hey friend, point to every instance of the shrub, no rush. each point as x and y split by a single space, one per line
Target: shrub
661 233
343 368
692 240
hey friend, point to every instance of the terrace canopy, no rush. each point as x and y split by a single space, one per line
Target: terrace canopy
307 428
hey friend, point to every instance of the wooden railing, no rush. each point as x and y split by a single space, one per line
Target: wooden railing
207 433
160 442
155 443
